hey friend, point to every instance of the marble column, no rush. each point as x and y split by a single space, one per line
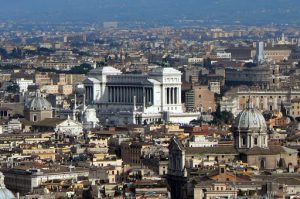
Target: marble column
172 95
126 94
176 95
167 95
130 95
116 94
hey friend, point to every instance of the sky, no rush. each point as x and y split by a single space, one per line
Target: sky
151 11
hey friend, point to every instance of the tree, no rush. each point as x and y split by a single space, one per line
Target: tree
3 53
268 115
222 117
207 63
16 53
82 69
13 88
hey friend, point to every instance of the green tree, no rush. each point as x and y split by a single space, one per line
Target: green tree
207 63
222 117
82 69
3 53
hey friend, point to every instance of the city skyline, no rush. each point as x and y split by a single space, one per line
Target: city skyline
155 12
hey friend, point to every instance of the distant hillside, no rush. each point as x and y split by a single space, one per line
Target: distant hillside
165 11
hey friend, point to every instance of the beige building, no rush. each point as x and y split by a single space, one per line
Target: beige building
215 190
73 79
42 153
295 108
277 54
43 79
264 100
57 89
200 98
131 152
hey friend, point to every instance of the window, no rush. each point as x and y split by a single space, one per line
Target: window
34 118
222 170
255 141
243 141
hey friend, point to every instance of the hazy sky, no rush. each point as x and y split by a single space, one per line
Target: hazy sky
246 11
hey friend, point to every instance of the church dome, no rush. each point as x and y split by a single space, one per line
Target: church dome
250 119
38 103
4 192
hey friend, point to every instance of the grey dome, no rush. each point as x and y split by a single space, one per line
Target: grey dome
250 119
7 194
38 103
4 192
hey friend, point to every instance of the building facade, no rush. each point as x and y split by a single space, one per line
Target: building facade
136 98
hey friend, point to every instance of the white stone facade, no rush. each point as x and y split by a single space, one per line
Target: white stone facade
24 83
136 98
201 141
69 127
